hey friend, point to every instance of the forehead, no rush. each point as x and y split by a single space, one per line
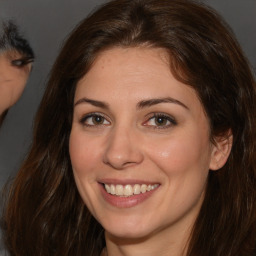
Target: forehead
9 55
127 67
128 57
129 75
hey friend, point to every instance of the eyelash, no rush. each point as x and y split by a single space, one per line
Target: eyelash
91 115
164 117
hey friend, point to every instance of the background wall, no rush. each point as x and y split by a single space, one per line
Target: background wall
46 23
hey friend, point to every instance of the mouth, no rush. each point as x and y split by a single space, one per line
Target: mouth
129 190
127 193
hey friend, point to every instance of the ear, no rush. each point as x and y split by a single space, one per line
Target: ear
221 150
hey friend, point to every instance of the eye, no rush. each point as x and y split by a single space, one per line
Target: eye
21 62
160 121
94 119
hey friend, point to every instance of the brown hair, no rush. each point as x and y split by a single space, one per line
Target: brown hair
45 214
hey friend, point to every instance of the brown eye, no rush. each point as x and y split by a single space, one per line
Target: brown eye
160 121
94 120
97 120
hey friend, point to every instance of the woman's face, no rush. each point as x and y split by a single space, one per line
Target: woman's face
139 145
12 79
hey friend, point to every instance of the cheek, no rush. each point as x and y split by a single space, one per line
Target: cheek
18 88
76 150
79 156
82 154
11 91
21 83
182 155
185 164
83 160
18 83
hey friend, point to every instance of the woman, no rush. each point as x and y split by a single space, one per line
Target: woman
144 142
16 57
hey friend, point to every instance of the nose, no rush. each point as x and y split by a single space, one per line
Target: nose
122 149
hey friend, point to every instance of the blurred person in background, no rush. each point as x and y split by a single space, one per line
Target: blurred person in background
16 57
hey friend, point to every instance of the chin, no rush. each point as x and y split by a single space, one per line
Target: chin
129 229
128 234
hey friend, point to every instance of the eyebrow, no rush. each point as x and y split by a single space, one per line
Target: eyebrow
95 103
152 102
140 105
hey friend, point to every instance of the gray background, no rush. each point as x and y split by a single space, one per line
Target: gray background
46 23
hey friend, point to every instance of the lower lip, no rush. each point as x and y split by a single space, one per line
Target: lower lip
126 202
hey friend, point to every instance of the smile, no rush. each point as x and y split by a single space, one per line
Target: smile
129 190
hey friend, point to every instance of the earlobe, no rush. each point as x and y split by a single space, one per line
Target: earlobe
220 151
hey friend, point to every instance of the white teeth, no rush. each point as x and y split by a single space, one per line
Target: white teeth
107 187
129 190
119 190
112 189
143 188
136 189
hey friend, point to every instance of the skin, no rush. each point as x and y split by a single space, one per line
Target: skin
12 79
130 144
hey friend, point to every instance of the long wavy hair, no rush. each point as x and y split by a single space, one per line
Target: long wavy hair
44 214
